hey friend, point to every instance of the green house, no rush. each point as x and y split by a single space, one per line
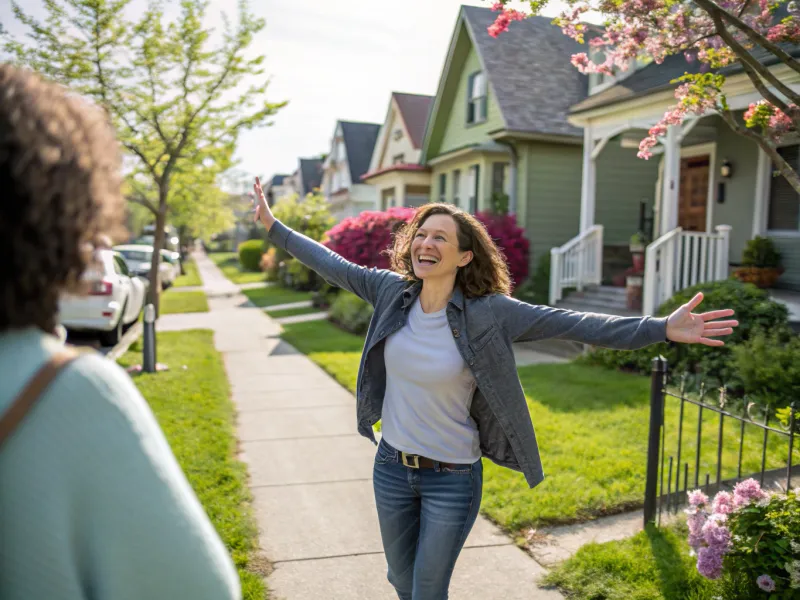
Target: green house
499 125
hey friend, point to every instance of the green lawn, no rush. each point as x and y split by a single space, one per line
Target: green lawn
591 425
229 263
275 295
191 278
173 301
652 565
193 407
293 312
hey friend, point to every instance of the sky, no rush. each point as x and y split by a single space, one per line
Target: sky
332 59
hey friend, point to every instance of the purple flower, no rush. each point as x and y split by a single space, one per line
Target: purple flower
695 523
723 503
697 498
766 583
716 534
746 491
709 562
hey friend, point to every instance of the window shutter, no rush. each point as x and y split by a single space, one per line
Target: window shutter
470 104
784 201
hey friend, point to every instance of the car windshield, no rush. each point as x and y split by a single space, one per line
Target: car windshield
140 255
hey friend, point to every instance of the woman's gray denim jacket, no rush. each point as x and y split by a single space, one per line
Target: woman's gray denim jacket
483 329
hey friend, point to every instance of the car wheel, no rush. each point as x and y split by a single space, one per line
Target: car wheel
111 338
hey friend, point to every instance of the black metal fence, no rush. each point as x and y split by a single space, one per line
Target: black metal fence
668 479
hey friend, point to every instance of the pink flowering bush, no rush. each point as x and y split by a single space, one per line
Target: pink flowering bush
511 240
749 540
365 238
711 33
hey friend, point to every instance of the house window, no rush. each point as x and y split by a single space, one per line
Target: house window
399 159
474 187
398 133
443 187
476 98
456 187
499 177
784 201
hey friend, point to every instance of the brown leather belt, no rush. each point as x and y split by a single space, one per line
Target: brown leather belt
421 462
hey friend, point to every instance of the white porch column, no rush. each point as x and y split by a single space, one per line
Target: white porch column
670 193
588 181
400 194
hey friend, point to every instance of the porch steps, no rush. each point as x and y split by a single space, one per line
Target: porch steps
599 299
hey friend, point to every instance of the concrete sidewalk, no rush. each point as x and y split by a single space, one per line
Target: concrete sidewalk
310 472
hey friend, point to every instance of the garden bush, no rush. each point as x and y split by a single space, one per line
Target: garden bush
754 310
351 313
748 541
536 289
269 264
250 254
769 367
511 240
365 238
298 276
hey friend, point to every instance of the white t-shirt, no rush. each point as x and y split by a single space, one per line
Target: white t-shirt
429 391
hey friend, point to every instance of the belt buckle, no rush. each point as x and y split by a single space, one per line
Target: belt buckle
415 462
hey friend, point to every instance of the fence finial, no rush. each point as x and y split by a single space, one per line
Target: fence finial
723 396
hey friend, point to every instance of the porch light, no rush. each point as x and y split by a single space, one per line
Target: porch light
726 169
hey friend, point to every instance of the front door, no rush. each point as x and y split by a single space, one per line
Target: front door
693 201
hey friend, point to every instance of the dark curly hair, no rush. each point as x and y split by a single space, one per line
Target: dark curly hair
487 272
61 182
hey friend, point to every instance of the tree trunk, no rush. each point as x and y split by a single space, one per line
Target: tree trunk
154 294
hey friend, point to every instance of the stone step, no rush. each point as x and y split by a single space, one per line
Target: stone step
584 305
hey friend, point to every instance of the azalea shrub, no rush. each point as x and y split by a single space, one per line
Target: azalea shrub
749 540
365 238
250 254
511 240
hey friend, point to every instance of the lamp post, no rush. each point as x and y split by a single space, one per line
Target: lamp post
149 349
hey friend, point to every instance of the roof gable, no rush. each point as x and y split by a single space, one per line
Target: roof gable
310 174
524 67
359 143
414 110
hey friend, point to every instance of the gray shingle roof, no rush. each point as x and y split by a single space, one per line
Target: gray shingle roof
655 78
530 72
310 174
359 142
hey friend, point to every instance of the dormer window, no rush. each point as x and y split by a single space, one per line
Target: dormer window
477 97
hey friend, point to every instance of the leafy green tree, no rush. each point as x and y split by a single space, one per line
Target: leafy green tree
178 102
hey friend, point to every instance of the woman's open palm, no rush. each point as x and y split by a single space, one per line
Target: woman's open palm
686 327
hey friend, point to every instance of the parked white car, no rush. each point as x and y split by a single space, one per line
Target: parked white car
173 258
139 258
114 301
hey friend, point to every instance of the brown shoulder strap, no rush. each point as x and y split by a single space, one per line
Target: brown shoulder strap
33 390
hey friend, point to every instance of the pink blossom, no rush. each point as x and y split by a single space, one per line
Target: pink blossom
747 491
709 562
697 498
497 6
766 583
723 503
503 20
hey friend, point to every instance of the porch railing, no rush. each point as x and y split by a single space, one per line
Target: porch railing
681 259
577 263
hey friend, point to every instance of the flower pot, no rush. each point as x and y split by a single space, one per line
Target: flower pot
638 261
762 277
636 248
633 292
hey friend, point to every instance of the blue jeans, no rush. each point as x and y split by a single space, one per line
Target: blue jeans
425 517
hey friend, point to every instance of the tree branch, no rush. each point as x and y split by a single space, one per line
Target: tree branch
784 167
752 67
751 33
142 201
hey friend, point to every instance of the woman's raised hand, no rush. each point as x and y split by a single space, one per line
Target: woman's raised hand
263 212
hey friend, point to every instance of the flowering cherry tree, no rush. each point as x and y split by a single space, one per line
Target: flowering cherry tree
717 33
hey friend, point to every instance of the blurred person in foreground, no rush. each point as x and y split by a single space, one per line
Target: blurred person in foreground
93 503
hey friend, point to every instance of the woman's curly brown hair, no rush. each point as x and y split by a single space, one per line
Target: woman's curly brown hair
61 182
487 272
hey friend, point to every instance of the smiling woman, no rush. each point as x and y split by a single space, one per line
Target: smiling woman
438 370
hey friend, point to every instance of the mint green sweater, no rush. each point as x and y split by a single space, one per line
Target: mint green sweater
93 504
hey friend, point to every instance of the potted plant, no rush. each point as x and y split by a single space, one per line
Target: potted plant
761 263
634 281
637 246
